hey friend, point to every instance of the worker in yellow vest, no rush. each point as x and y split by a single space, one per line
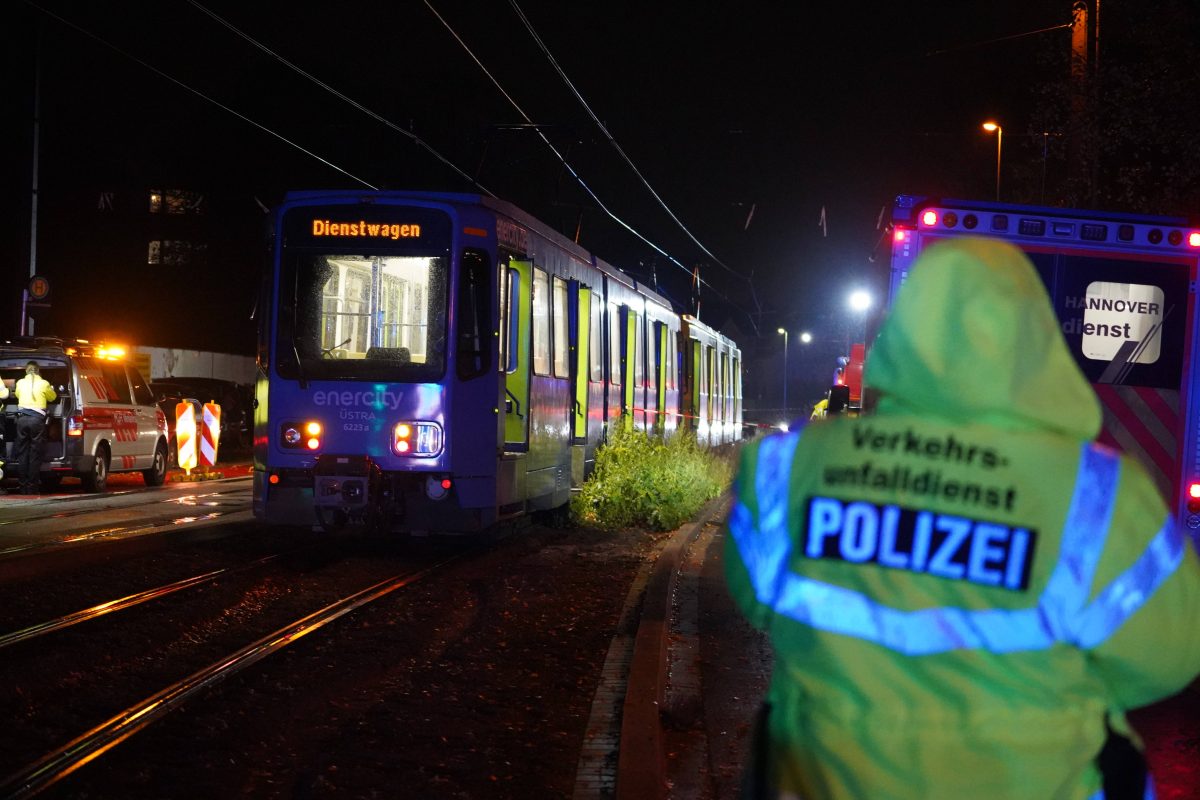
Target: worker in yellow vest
34 394
964 592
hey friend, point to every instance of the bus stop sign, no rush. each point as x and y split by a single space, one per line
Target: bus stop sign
39 288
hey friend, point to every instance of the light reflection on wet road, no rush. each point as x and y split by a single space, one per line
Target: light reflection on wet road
28 523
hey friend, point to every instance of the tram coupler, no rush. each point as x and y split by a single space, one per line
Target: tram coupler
347 489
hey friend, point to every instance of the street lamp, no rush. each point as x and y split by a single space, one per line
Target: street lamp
992 127
785 374
806 337
859 301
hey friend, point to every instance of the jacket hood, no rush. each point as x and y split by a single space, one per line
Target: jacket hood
972 337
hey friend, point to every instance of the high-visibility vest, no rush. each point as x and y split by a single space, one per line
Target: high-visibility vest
1061 614
913 632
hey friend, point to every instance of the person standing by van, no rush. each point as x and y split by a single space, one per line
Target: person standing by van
34 393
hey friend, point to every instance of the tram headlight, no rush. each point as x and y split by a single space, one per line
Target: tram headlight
301 435
423 439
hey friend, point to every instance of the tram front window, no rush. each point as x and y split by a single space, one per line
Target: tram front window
369 317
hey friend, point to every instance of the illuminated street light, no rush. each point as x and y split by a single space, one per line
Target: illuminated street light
785 374
992 127
806 337
859 301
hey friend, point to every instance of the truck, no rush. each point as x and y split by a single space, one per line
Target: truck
1124 289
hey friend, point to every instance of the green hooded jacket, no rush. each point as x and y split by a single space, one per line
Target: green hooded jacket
962 590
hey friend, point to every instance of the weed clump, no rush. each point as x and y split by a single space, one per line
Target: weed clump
645 481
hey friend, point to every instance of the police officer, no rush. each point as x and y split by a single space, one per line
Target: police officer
34 393
964 591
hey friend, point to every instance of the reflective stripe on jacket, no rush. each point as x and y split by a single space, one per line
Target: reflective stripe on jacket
963 597
1062 613
905 670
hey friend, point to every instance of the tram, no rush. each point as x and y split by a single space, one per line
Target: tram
441 362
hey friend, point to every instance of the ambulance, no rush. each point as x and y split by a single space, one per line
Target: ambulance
1124 289
104 421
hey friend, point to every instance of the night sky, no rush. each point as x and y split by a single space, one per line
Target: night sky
783 108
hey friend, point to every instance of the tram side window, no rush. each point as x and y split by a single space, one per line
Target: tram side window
711 382
474 312
510 286
558 309
737 388
654 348
639 336
672 361
614 345
595 344
725 393
541 322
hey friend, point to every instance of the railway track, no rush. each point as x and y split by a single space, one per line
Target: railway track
60 761
477 683
122 603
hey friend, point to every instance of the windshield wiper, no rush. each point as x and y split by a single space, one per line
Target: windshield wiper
295 324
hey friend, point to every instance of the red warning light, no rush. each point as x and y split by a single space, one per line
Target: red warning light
445 483
1194 239
929 218
901 234
1193 498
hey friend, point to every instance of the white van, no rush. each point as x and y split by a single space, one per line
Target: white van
105 419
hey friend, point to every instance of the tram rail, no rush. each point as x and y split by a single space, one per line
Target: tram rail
60 762
128 601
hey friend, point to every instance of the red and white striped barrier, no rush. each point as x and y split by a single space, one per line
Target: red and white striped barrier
185 435
210 434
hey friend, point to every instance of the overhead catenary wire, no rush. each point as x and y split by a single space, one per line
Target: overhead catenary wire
417 140
620 151
997 39
213 101
562 159
197 92
612 141
420 142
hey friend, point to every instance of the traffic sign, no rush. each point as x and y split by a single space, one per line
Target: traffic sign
39 288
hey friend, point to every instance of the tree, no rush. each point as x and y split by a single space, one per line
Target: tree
1132 144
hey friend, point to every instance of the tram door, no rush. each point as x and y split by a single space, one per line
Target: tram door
629 354
579 323
695 374
659 365
518 326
